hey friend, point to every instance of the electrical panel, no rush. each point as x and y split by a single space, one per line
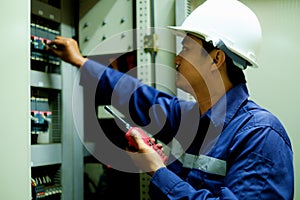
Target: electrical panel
45 102
124 23
45 94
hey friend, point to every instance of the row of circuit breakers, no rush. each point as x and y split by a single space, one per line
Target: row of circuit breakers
41 34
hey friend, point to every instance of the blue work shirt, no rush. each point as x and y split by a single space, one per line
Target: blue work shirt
241 150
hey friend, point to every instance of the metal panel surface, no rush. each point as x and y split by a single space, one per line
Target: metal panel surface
45 154
45 80
106 27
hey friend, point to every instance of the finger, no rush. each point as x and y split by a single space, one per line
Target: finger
138 139
58 42
54 50
60 37
153 140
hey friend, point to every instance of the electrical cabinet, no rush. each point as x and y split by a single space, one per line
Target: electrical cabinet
55 153
45 102
108 30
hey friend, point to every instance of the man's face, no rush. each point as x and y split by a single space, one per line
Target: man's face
193 65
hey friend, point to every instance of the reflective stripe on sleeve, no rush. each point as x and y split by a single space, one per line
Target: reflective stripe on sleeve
202 162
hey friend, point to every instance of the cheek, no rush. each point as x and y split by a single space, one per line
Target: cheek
192 74
193 68
186 78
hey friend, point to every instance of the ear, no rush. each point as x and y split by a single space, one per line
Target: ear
218 57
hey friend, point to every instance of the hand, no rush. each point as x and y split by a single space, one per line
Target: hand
67 49
146 158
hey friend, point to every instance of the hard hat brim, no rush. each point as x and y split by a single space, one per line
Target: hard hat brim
180 31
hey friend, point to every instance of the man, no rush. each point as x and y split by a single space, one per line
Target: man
232 148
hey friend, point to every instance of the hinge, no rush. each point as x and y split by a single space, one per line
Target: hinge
150 43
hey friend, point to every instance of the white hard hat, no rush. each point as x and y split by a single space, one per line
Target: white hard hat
230 26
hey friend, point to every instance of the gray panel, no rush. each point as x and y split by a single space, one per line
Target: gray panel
45 154
46 11
45 80
107 25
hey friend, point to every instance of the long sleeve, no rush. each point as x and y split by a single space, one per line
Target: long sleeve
153 110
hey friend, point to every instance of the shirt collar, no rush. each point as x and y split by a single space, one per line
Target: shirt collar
223 111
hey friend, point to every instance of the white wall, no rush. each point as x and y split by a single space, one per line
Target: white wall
14 101
275 84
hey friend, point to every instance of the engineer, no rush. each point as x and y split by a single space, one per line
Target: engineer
233 148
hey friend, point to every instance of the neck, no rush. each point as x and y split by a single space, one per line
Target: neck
208 97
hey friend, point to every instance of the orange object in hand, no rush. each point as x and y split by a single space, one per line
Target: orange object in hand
143 135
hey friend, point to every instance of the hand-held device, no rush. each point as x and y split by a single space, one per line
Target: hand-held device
143 135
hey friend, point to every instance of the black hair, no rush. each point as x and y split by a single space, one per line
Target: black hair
235 74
